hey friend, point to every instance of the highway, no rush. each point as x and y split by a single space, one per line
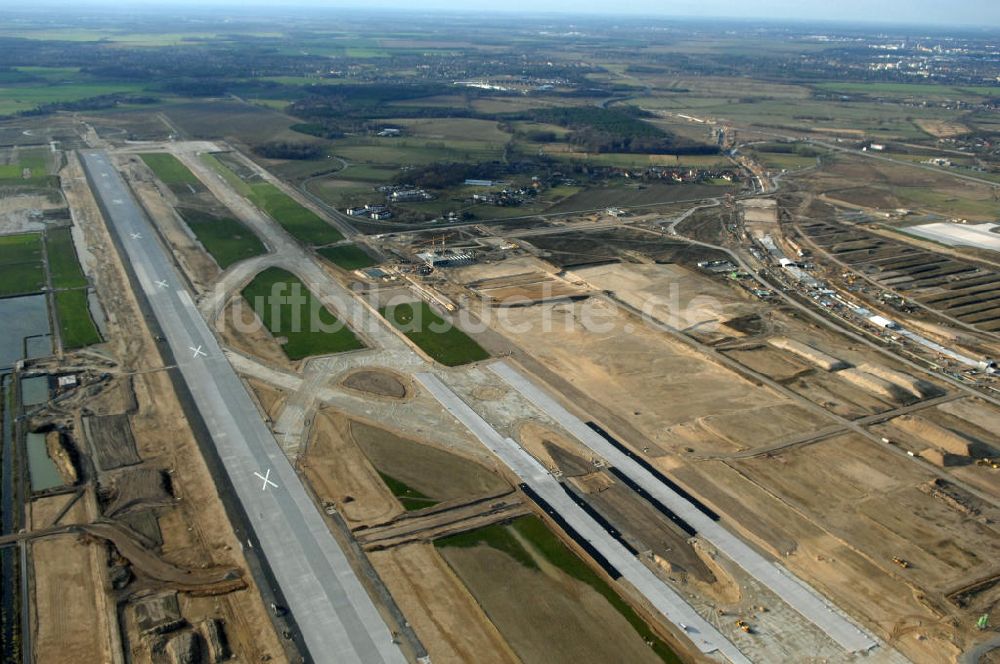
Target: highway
703 634
337 619
796 594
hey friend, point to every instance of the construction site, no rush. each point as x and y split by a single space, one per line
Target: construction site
605 440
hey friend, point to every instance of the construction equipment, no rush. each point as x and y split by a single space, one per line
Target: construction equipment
745 626
905 564
990 463
983 622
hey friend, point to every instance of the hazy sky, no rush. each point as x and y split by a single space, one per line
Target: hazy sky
972 12
983 13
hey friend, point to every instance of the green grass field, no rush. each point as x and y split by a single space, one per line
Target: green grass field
169 169
76 327
64 266
347 256
408 497
21 267
546 544
14 99
227 240
307 327
303 224
440 339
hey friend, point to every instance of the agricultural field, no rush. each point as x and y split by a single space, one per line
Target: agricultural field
76 326
21 268
227 240
440 339
303 327
64 266
347 256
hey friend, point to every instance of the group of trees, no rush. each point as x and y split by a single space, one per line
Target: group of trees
289 150
616 130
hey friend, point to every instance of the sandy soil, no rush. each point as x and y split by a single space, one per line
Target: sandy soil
339 472
248 335
674 396
70 617
272 400
449 622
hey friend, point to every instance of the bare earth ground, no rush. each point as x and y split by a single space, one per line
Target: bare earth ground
248 335
674 396
70 604
450 623
339 472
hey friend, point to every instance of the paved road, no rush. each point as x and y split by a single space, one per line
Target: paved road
337 618
703 634
796 594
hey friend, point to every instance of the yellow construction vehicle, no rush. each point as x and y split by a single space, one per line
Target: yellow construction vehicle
905 564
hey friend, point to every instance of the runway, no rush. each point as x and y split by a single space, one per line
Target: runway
703 634
337 619
806 601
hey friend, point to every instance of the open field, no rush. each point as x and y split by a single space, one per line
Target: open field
170 171
76 326
438 338
432 473
347 256
64 265
227 240
561 626
408 497
21 268
306 327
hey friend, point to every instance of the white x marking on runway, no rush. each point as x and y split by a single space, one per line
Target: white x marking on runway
267 480
136 236
161 283
197 351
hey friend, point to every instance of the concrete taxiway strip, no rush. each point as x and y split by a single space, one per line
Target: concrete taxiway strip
809 603
702 633
337 619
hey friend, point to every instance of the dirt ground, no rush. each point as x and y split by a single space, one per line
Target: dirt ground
885 600
242 330
564 621
676 296
674 396
377 382
340 473
271 400
71 616
446 617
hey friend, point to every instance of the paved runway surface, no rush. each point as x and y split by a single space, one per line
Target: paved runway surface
337 618
794 592
702 633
